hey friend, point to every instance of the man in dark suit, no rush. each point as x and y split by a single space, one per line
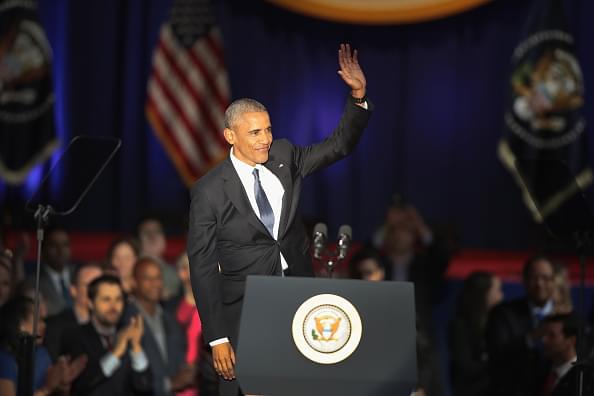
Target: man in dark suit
56 270
59 325
514 333
559 346
163 341
117 364
242 215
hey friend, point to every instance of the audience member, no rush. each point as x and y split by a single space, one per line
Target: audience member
163 340
559 346
197 352
516 364
16 318
122 256
26 289
56 268
117 364
367 264
417 255
61 324
562 289
469 373
153 244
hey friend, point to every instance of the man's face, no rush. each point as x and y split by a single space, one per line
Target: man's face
79 290
108 304
149 282
556 346
152 238
400 234
56 252
251 137
539 284
123 260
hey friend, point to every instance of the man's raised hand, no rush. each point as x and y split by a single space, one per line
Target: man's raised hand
350 71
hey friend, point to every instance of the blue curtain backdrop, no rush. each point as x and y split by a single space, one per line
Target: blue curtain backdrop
439 88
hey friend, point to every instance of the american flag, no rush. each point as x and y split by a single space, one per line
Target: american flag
188 90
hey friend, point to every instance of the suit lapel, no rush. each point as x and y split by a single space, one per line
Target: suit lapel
282 171
234 190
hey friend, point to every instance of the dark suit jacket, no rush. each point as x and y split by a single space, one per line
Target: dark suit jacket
175 341
57 327
567 385
123 382
514 367
225 230
468 359
54 300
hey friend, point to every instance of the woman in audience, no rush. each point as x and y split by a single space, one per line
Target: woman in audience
187 316
122 255
481 291
16 318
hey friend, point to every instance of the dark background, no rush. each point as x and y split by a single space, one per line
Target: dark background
439 88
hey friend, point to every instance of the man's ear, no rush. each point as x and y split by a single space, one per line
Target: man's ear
229 136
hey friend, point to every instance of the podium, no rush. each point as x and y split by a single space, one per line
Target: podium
312 336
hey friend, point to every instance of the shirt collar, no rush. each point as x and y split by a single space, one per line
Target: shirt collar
158 310
564 368
103 330
243 168
55 275
543 311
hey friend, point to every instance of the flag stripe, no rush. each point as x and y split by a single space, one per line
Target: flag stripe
187 95
213 114
196 74
187 100
188 170
169 118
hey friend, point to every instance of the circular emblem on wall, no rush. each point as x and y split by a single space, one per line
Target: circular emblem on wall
547 91
327 328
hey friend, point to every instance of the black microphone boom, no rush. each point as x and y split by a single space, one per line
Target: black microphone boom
345 236
320 237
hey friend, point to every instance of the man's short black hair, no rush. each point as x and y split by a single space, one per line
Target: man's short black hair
103 279
568 320
78 268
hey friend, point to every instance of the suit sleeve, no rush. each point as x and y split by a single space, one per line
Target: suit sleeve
204 268
338 145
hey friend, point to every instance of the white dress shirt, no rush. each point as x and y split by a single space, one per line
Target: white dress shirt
272 187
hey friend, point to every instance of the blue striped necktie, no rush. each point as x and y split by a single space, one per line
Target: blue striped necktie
266 213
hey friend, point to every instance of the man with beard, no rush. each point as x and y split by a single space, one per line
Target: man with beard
117 364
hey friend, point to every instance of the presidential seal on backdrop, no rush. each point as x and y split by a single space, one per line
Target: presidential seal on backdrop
327 328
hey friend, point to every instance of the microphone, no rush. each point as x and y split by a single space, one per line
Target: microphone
345 236
320 237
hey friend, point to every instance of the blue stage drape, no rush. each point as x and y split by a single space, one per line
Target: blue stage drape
439 88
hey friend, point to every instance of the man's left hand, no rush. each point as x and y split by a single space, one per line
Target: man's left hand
350 71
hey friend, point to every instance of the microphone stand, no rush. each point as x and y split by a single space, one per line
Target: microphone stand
26 347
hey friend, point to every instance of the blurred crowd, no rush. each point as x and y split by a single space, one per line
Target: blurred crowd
128 324
124 325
